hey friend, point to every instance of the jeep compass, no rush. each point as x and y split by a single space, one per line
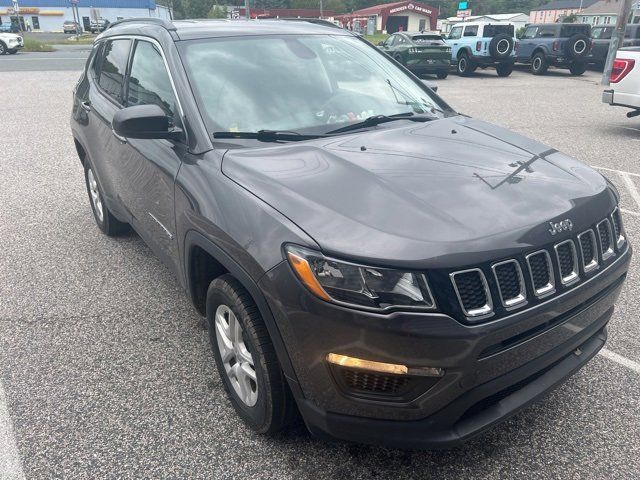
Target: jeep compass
367 258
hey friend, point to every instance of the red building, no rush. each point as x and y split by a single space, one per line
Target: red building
396 16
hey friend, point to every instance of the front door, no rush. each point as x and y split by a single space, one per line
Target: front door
527 44
149 168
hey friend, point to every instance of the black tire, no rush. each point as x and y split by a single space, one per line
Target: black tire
3 48
578 68
442 75
504 69
275 407
539 64
577 47
106 222
501 46
465 66
12 51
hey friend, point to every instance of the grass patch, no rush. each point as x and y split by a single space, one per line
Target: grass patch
378 37
80 40
31 45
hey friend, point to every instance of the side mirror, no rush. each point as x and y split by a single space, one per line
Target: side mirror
429 84
143 121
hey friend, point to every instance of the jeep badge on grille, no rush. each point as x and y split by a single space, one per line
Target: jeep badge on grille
561 226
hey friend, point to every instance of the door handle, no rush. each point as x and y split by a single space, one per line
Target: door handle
86 106
122 139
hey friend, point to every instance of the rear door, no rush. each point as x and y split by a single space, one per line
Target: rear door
105 98
150 166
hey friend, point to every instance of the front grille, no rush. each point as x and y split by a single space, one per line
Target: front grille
473 292
476 296
373 382
567 261
588 250
604 237
510 282
617 227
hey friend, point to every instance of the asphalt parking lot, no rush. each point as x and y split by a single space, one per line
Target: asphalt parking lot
105 368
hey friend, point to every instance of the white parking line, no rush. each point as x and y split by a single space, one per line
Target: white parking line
613 356
10 465
631 187
621 172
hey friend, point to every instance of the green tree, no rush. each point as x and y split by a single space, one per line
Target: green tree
218 12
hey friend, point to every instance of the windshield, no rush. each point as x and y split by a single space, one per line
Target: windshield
309 83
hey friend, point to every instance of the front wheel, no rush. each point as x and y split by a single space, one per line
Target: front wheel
442 75
577 68
539 64
504 69
3 48
465 66
246 358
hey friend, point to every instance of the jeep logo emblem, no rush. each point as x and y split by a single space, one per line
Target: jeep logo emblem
561 226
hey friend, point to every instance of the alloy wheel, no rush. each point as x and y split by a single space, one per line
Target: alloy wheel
236 358
96 199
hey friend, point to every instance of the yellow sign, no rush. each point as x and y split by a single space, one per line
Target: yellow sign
51 13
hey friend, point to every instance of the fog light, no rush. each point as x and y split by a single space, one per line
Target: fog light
353 362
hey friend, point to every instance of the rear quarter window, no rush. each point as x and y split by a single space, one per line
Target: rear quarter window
570 30
491 31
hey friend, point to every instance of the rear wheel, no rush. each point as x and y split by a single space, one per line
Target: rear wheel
539 64
246 359
105 220
3 48
465 66
504 69
442 75
577 68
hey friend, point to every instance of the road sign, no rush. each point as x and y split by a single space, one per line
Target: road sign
463 13
463 5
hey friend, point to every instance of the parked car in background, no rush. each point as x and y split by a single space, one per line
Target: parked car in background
601 39
476 44
9 28
420 52
69 26
625 81
99 25
394 271
563 45
10 43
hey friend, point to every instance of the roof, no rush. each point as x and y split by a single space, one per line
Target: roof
603 6
146 4
192 29
565 5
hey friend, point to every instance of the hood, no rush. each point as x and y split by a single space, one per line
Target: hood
421 194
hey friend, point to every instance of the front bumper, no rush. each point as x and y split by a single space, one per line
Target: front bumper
492 369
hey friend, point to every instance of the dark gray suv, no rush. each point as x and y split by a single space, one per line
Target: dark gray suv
563 45
393 271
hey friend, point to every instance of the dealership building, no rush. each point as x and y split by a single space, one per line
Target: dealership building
49 15
393 17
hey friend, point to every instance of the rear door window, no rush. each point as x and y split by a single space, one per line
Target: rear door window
471 31
602 33
547 31
491 31
113 67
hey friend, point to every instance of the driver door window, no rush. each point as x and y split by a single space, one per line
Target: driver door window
456 33
530 33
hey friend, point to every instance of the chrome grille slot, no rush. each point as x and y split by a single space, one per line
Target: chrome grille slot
541 273
567 261
605 239
617 227
508 275
588 250
473 292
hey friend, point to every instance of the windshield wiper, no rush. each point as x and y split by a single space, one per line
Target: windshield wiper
378 119
269 135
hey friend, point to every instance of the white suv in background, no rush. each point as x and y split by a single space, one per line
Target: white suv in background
10 43
625 81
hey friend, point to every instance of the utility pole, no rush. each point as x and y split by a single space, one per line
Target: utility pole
321 11
247 13
617 39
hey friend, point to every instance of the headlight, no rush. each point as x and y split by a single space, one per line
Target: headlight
359 285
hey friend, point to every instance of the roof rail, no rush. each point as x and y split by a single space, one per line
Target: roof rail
156 21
